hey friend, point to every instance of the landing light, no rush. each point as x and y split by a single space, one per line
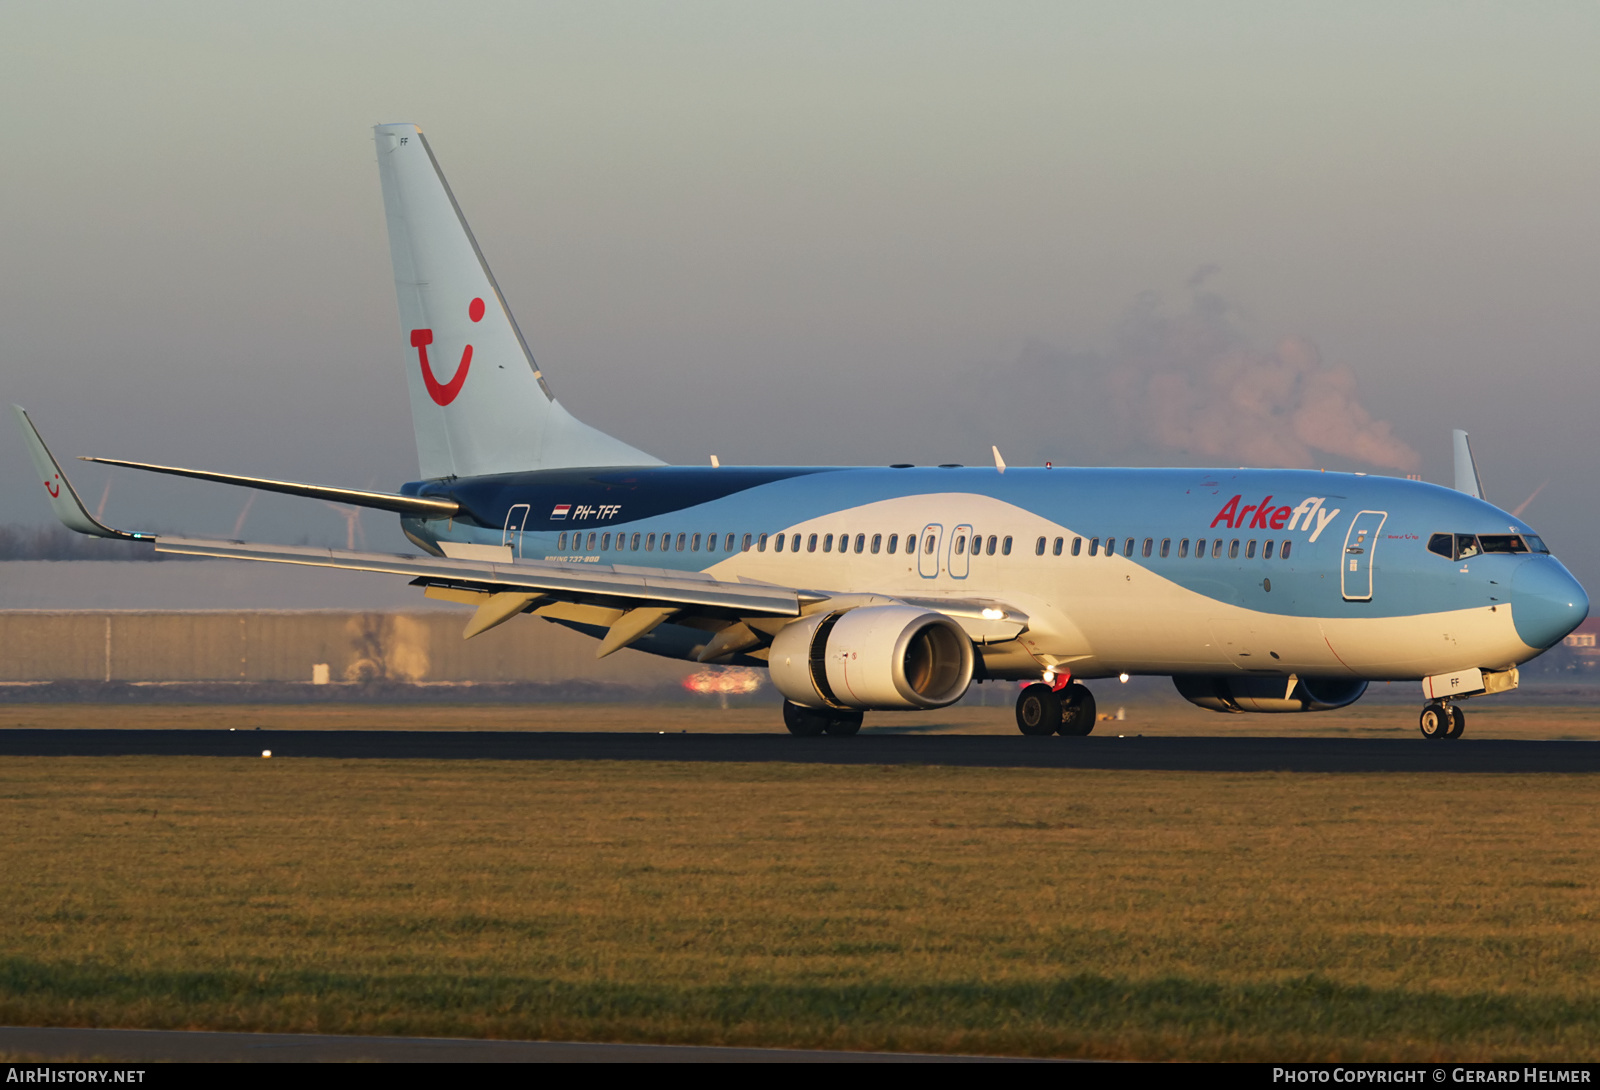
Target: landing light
1122 678
994 614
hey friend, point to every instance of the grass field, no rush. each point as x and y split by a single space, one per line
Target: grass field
1486 718
1114 914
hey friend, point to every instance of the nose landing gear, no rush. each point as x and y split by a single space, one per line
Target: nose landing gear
1442 719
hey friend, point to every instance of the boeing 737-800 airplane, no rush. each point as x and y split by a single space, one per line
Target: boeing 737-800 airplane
897 587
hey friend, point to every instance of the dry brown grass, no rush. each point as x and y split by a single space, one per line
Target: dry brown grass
1059 912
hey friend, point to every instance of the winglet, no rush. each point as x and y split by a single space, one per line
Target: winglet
999 462
1466 469
64 499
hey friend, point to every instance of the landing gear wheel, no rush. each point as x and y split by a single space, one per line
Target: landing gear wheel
1038 710
843 724
1436 721
1458 722
806 722
1077 711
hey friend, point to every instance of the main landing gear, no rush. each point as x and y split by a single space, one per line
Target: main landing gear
1044 709
810 722
1442 719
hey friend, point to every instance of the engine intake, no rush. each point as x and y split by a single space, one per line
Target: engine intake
884 657
1269 694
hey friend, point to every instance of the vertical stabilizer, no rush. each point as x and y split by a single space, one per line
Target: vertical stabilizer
1466 468
478 401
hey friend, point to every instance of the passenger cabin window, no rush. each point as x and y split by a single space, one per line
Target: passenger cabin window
794 543
1077 546
1094 546
877 543
1183 548
861 543
961 544
605 542
1127 548
1216 548
561 543
1250 550
1038 547
744 543
694 544
827 543
927 546
1149 544
727 545
634 547
681 539
761 545
1233 549
1266 552
1005 547
894 539
1166 547
993 541
1055 546
1283 554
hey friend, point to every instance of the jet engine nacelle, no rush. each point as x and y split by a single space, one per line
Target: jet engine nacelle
1269 694
872 657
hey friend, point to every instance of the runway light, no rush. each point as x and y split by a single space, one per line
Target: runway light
266 753
1122 678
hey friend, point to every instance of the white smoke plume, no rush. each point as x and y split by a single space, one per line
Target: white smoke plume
1193 381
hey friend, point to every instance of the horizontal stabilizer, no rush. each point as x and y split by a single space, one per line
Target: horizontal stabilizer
355 497
64 499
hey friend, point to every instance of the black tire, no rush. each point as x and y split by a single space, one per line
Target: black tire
803 721
1077 711
844 724
1038 710
1458 722
1435 721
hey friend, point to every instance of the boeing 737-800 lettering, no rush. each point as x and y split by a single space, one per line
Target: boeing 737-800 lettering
1256 590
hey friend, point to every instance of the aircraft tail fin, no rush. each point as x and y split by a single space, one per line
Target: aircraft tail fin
478 401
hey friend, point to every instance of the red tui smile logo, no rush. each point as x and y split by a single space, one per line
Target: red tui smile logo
444 392
53 488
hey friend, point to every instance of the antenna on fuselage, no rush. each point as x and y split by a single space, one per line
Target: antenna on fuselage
1466 469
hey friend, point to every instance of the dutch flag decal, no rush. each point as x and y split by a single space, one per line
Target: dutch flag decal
560 511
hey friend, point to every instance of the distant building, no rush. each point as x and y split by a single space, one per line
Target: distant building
1582 646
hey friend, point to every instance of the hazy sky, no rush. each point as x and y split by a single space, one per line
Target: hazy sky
818 233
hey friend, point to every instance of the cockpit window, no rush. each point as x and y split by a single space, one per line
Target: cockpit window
1502 543
1463 546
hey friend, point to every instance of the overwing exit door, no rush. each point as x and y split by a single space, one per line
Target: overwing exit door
928 550
516 519
960 538
1355 566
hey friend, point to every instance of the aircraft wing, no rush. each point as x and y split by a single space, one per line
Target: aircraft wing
628 601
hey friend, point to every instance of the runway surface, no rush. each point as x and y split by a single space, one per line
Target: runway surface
1174 754
192 1046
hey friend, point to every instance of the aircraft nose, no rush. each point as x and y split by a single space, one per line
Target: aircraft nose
1546 602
